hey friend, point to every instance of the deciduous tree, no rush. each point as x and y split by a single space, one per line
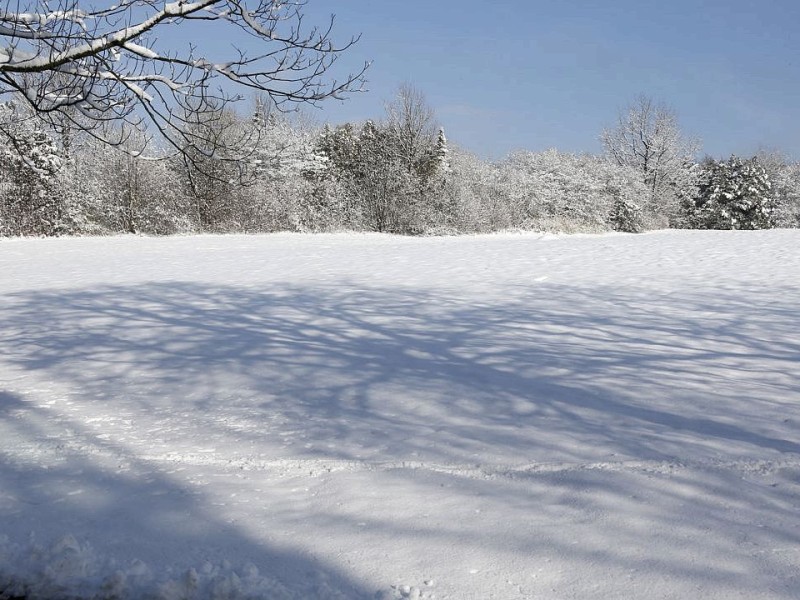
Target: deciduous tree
648 139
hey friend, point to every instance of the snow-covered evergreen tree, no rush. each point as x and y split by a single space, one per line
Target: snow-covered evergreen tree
30 161
441 152
733 194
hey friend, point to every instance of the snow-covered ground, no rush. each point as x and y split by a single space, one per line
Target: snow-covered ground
364 416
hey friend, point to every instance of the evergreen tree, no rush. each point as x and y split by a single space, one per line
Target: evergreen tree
29 165
733 194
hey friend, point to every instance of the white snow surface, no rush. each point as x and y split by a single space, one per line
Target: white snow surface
365 416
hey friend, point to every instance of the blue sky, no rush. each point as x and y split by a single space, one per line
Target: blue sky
528 74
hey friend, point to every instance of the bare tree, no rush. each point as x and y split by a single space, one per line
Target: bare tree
413 125
647 138
72 62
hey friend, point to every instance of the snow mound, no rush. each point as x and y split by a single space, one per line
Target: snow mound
68 569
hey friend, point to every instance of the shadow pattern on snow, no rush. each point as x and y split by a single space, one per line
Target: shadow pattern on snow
555 375
642 378
105 485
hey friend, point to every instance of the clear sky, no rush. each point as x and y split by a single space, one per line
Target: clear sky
529 74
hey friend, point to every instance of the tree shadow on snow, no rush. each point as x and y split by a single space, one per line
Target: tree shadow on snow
85 516
360 369
553 374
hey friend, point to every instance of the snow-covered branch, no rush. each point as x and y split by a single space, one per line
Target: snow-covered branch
67 58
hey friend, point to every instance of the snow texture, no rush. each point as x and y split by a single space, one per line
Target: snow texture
364 416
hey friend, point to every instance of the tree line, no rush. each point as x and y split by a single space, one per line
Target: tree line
271 171
86 91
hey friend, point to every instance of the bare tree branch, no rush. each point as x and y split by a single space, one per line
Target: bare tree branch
69 61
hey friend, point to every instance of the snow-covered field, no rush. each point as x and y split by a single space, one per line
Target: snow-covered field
364 416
